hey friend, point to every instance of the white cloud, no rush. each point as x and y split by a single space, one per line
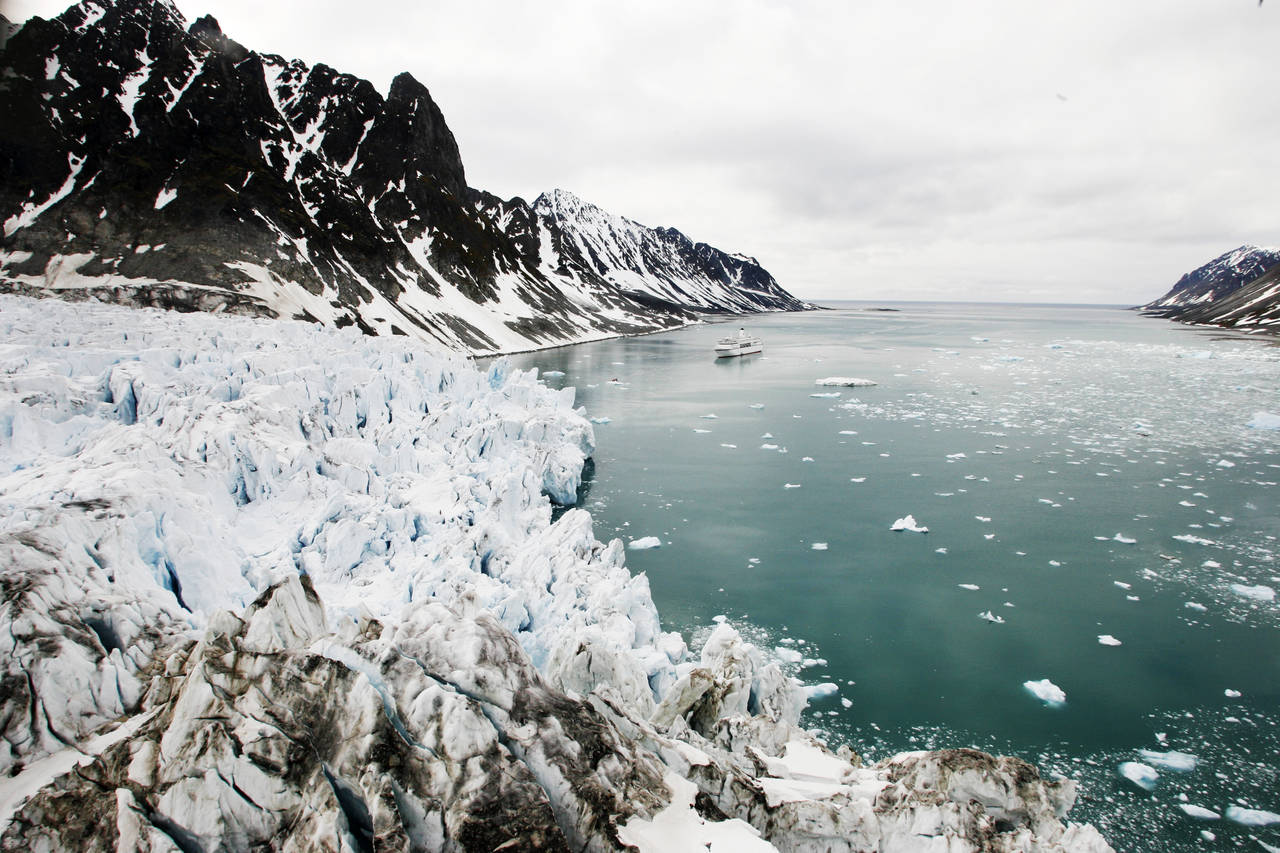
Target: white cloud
998 149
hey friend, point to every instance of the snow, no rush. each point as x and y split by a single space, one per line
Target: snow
165 196
1142 775
31 211
908 523
1046 691
679 828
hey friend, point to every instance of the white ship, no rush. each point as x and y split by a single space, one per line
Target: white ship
743 344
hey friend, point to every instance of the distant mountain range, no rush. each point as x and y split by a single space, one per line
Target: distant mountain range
147 162
1239 289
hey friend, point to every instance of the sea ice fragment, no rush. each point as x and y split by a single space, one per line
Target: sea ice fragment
644 543
1046 691
1142 775
908 524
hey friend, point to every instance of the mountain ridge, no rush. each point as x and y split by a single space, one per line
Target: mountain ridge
1240 288
158 163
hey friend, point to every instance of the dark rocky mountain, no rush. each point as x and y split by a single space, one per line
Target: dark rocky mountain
1240 289
147 161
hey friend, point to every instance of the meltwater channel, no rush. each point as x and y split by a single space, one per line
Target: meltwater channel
1102 486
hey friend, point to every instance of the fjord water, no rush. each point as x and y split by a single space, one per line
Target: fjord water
1083 473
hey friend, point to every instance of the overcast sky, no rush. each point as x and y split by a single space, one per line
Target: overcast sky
1073 151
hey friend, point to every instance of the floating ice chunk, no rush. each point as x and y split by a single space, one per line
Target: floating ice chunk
1211 564
767 435
908 524
1142 775
1182 762
1123 540
552 374
1261 592
756 406
957 456
1108 640
1123 585
939 550
806 459
720 619
1251 817
819 546
857 479
767 446
702 430
991 617
988 536
1231 694
972 587
730 446
1195 605
603 419
848 432
787 655
790 485
984 519
1047 692
1226 463
826 394
847 703
710 416
846 381
644 543
1193 540
1264 420
820 691
1198 812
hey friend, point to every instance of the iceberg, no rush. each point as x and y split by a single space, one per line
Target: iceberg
1264 420
1046 691
908 524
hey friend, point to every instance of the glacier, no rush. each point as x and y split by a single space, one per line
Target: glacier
267 583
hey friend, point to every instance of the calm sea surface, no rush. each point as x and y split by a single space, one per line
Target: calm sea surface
1083 473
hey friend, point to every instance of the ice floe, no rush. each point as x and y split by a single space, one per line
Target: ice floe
1260 592
1251 817
1046 691
1180 761
1142 775
847 381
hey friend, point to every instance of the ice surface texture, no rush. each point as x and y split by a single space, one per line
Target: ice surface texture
319 575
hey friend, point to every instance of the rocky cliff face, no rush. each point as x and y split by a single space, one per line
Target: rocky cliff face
1240 289
268 586
148 162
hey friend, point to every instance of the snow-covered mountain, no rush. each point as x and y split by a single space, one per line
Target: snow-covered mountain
1240 288
272 586
148 162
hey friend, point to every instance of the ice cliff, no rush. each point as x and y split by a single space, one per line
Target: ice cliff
271 585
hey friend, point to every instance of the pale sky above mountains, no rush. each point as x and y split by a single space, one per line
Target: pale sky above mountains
1083 151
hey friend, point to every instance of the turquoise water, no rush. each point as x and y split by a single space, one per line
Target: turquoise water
1054 454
